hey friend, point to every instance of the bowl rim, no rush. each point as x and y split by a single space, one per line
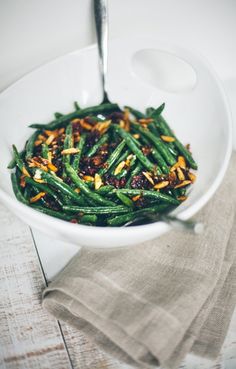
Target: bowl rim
185 214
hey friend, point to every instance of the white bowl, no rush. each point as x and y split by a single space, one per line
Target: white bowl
196 109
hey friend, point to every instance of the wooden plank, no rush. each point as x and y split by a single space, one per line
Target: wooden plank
29 338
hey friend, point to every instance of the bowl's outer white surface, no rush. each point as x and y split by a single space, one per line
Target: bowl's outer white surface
199 116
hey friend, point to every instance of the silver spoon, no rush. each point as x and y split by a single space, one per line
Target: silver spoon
101 22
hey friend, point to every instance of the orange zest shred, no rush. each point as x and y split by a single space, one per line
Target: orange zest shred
35 164
52 167
41 137
88 178
135 198
37 197
145 120
38 142
22 181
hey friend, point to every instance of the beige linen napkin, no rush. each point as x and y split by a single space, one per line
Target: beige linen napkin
151 304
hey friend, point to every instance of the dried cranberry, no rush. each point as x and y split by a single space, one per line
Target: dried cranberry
116 116
141 182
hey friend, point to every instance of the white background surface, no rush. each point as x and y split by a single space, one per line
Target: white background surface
33 32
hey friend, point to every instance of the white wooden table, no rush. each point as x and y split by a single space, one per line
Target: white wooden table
29 337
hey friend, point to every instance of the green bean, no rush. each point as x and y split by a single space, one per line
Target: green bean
29 148
17 189
112 158
179 191
160 161
27 192
146 193
60 122
97 209
135 171
169 145
43 187
68 143
84 188
182 149
136 113
133 147
80 147
88 219
166 130
161 164
149 111
76 200
45 151
157 112
122 174
41 201
144 141
125 218
52 213
19 161
60 186
12 163
125 199
123 156
153 129
159 144
76 105
97 145
104 190
136 141
58 115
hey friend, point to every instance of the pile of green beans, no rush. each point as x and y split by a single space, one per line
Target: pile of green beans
103 166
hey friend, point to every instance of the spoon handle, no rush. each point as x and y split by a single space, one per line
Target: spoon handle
183 225
101 22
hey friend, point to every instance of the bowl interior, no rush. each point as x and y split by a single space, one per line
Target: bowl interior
199 115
